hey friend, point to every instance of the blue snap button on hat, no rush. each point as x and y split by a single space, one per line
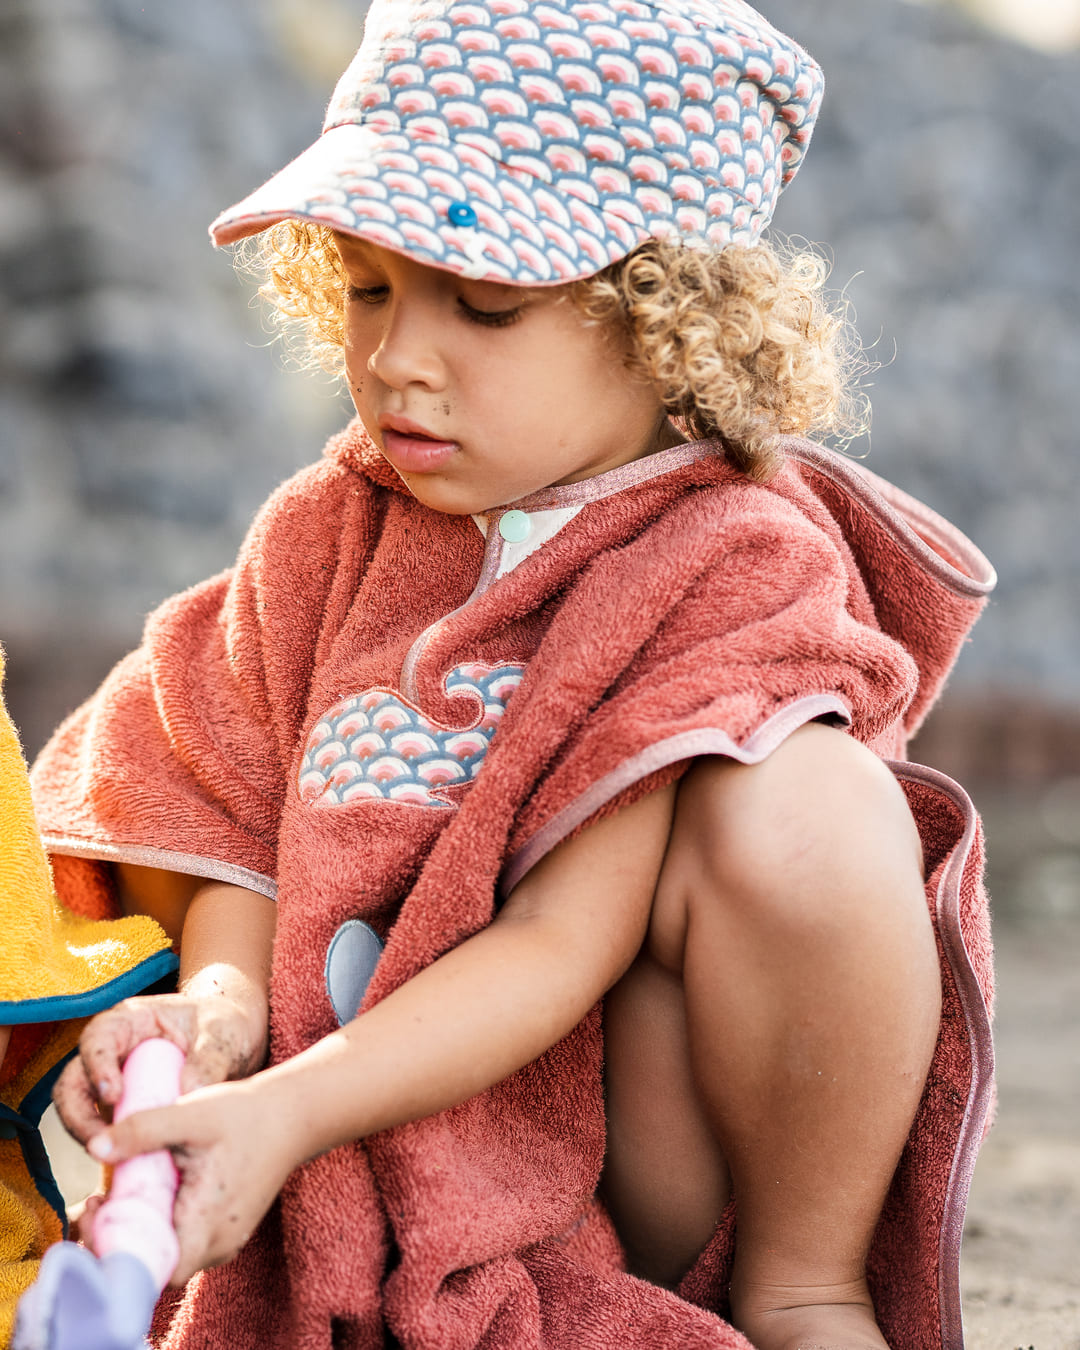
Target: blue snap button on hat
515 526
461 214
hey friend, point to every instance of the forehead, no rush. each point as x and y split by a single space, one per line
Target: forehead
353 249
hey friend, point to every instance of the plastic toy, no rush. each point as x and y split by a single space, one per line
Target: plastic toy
104 1300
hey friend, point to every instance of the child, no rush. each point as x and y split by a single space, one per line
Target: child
565 674
56 968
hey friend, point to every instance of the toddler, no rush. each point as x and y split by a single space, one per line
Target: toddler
565 678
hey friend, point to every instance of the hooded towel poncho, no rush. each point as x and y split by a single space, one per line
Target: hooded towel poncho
388 714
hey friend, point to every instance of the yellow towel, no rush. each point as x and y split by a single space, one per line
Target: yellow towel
28 1225
47 954
56 968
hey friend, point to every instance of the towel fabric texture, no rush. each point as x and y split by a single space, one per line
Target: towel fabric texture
389 714
56 968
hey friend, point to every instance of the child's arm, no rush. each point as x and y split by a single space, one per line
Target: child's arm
162 895
570 929
220 1015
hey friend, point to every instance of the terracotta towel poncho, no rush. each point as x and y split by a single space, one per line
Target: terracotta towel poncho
388 714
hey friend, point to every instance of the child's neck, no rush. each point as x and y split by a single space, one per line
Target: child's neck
668 435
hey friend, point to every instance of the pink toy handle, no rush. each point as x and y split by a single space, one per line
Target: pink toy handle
136 1216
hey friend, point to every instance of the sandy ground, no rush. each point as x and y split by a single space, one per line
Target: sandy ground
1021 1271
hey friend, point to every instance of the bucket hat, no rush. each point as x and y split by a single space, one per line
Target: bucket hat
538 141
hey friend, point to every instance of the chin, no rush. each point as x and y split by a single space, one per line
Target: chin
444 497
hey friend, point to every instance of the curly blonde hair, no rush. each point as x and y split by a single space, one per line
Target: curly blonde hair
743 344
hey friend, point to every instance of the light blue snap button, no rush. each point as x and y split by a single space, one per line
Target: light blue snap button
461 213
515 526
351 959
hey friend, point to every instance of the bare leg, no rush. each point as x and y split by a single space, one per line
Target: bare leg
791 905
665 1181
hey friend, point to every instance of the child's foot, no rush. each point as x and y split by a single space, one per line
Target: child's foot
812 1326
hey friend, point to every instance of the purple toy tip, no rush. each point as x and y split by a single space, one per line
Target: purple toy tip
79 1302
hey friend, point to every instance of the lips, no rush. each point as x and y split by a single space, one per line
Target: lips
410 448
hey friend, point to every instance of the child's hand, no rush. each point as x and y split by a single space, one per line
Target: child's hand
219 1037
233 1156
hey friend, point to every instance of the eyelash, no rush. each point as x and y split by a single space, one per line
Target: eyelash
490 318
496 318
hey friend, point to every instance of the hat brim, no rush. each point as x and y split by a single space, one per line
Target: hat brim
396 189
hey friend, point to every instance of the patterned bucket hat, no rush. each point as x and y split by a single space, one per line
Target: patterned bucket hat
537 141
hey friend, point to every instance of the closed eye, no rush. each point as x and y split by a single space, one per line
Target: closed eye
368 295
490 318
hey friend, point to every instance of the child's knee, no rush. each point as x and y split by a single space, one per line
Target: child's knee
794 842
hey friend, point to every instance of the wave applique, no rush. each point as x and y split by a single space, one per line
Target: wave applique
376 746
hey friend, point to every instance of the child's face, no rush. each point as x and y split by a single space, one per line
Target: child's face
479 393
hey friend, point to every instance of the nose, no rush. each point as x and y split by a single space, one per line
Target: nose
409 351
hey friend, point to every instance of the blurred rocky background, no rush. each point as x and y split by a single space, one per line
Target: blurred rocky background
142 421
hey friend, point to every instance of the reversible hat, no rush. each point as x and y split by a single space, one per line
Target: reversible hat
538 141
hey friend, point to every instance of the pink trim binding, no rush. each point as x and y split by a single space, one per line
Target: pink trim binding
920 531
189 863
914 526
980 1038
616 480
489 569
684 745
917 529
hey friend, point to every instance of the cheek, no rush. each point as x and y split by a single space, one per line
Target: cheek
589 366
359 383
359 346
616 387
357 375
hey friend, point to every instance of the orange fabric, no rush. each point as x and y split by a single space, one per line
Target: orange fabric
26 1041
